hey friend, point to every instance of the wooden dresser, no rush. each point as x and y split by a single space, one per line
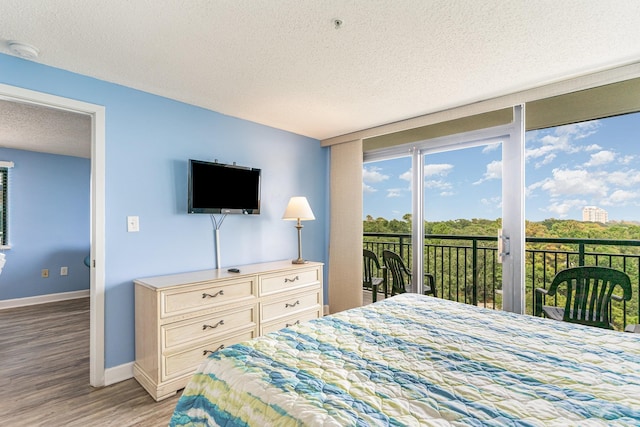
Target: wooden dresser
181 318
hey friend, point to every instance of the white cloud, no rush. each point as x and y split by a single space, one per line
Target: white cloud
552 140
367 188
601 158
494 202
578 130
530 190
562 208
406 176
560 139
494 171
440 184
625 160
547 159
534 153
447 193
626 178
441 169
394 192
595 187
592 147
491 147
373 175
620 198
573 182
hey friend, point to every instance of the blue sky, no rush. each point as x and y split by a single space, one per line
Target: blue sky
595 163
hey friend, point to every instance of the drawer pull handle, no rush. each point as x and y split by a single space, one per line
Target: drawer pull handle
214 326
297 322
220 292
287 305
286 279
204 353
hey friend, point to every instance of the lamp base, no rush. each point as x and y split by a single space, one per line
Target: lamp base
299 261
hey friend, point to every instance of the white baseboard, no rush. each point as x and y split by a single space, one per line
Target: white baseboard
118 373
111 375
42 299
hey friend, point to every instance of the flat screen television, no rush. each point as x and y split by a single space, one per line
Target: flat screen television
223 188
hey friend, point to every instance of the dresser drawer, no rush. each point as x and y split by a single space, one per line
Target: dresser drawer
291 321
185 362
207 295
289 281
180 317
289 305
207 327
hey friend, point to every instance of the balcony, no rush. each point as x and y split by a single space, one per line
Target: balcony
466 268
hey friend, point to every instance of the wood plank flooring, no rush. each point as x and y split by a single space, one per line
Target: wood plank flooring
44 374
367 297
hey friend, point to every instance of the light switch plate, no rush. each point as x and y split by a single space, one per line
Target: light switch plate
133 224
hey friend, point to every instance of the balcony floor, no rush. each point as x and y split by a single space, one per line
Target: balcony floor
367 297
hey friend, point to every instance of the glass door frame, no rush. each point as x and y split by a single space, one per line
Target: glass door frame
512 137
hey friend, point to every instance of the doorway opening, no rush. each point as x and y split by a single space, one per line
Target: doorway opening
97 275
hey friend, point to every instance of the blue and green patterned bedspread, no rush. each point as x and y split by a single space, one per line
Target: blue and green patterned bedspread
416 360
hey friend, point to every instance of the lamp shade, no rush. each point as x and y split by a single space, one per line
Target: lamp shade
298 208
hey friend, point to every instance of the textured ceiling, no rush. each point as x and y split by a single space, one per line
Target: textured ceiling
35 128
283 63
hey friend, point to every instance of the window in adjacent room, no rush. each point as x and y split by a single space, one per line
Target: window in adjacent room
4 208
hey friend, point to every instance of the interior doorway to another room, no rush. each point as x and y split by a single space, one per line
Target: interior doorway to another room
97 274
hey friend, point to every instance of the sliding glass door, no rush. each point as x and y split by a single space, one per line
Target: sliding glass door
467 189
462 211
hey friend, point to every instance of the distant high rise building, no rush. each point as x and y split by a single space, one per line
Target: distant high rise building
594 214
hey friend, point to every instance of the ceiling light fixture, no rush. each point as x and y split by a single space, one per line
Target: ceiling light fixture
337 23
23 50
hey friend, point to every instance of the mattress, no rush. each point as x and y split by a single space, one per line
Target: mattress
417 360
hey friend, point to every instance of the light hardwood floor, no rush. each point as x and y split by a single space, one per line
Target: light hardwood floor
44 374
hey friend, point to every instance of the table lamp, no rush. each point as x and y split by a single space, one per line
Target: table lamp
298 209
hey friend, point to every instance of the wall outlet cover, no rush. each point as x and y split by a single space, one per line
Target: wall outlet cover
133 224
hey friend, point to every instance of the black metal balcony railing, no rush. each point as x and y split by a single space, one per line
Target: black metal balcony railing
466 268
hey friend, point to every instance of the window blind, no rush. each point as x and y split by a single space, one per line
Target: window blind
589 104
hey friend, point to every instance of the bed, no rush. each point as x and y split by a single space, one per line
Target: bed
418 360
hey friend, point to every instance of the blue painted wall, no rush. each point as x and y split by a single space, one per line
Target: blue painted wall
49 220
149 140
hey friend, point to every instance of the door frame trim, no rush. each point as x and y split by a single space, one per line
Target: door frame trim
97 255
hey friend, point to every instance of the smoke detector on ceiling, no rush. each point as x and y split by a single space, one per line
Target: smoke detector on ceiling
23 50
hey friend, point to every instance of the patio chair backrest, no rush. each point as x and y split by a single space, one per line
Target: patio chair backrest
589 292
371 267
400 275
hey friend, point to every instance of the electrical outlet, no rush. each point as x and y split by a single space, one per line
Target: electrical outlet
45 272
64 271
